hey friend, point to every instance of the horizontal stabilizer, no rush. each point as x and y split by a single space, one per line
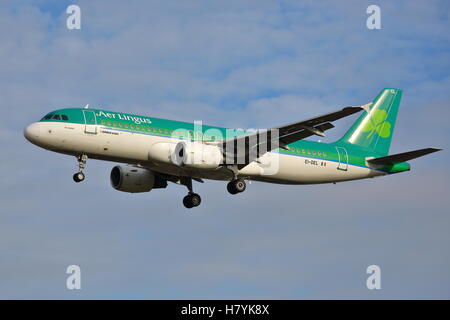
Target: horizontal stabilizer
401 157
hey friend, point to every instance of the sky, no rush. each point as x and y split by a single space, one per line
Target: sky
240 64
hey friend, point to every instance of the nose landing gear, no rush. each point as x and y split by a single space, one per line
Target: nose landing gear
79 176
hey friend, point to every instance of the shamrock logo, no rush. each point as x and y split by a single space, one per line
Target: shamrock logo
377 122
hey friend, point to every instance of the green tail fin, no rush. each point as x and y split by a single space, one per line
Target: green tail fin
374 128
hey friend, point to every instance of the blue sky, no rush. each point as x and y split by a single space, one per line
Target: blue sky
238 64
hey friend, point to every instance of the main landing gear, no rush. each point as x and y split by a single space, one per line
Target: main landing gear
236 186
79 176
192 199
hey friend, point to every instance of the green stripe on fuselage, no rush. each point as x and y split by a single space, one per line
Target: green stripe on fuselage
163 127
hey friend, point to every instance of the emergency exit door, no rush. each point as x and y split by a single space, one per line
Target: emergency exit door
343 158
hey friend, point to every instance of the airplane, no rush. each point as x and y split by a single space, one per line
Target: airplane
157 151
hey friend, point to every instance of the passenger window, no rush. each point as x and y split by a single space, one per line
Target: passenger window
64 117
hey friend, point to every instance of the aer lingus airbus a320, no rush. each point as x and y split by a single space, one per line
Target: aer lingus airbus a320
156 151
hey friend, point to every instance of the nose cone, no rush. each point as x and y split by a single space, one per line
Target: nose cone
32 132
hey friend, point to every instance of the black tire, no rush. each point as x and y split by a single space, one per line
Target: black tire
187 202
78 177
236 186
192 200
231 188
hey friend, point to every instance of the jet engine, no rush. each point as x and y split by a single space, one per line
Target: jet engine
135 179
197 155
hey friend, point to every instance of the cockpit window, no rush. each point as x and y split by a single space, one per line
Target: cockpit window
55 117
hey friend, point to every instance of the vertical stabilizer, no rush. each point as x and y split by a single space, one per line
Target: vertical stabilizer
374 128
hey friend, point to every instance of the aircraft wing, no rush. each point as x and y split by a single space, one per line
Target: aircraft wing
247 148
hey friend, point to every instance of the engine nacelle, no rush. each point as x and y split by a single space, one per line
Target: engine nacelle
197 155
161 152
134 179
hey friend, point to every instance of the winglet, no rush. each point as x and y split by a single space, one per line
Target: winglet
367 107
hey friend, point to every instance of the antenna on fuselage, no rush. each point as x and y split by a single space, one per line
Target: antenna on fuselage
86 106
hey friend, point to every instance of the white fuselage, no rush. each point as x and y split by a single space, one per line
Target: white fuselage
149 151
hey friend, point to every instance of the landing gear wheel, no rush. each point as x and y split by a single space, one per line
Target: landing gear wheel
187 202
231 189
192 200
195 199
240 185
236 186
78 177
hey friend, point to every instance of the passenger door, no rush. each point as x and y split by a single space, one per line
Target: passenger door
90 121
